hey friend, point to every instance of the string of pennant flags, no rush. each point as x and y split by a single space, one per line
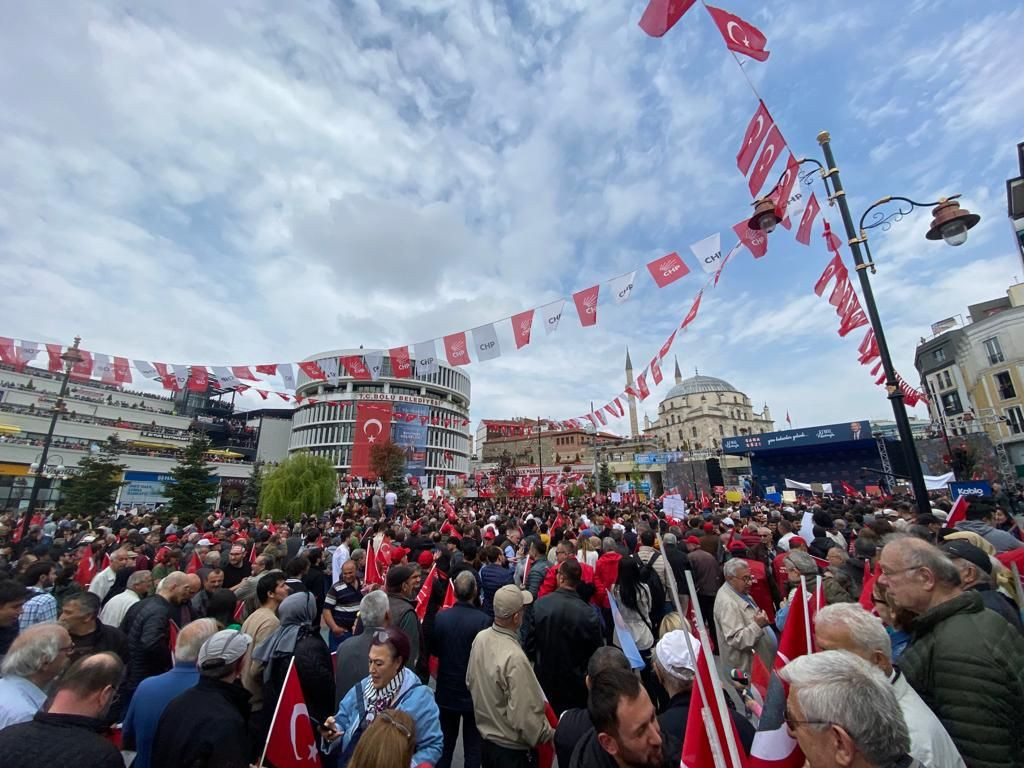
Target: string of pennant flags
761 147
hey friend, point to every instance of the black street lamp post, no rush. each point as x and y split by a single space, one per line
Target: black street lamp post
950 223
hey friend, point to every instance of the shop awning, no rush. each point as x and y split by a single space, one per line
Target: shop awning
157 446
7 429
225 453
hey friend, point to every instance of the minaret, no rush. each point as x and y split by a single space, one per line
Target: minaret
634 431
679 375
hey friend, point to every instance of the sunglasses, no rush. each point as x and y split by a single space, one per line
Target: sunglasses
401 728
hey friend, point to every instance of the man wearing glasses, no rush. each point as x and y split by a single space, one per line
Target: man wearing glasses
37 656
743 628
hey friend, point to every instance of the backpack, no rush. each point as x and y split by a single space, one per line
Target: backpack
364 723
650 577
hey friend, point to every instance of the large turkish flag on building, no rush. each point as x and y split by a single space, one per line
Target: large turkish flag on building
373 426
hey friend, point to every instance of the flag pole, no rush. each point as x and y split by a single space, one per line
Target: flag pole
705 642
273 719
807 617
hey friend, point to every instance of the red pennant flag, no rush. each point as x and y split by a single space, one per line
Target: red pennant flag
693 311
842 294
641 386
602 418
620 406
611 409
53 351
758 128
667 269
521 325
784 190
770 152
83 368
291 742
122 371
586 305
958 513
656 372
667 345
834 269
311 369
401 365
423 598
7 354
754 240
661 15
739 35
262 393
456 349
832 241
282 395
803 234
269 369
355 367
199 379
243 372
867 598
194 564
853 319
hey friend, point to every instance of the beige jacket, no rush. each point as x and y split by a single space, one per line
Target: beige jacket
739 636
507 698
259 625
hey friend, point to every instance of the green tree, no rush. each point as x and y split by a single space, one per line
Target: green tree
93 489
302 484
387 461
194 484
605 483
253 489
503 476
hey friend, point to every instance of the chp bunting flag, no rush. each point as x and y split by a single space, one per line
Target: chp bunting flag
199 379
53 352
586 305
739 35
147 370
693 310
311 369
166 378
181 375
620 406
757 129
753 239
267 368
332 367
26 353
621 287
611 409
770 152
243 372
83 368
656 372
401 365
291 742
102 368
287 374
521 325
122 371
958 513
641 386
601 417
708 252
667 345
374 360
661 15
485 339
426 358
455 348
803 233
224 378
667 269
9 357
551 314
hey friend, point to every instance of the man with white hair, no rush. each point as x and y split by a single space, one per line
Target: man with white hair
37 656
350 661
848 627
138 586
741 626
843 713
151 697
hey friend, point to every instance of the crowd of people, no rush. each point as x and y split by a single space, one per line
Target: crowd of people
510 633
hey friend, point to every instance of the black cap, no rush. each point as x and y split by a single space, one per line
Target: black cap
967 551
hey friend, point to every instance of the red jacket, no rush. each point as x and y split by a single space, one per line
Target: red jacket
780 573
550 584
760 592
606 573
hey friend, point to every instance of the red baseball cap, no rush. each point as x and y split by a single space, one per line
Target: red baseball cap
693 540
797 541
708 527
397 554
426 559
488 534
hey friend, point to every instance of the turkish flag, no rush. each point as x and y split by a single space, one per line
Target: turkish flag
612 410
53 351
401 365
835 268
697 749
667 345
373 426
122 371
8 355
194 564
521 325
656 372
784 190
842 294
83 368
270 369
740 36
199 380
757 129
166 377
661 15
243 372
853 318
754 239
803 233
602 418
586 305
641 386
311 369
693 310
668 269
355 367
423 597
291 742
456 349
771 150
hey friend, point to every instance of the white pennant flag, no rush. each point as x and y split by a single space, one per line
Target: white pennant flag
426 357
329 365
287 374
103 369
708 252
27 351
180 374
374 360
551 314
225 378
147 370
485 339
621 287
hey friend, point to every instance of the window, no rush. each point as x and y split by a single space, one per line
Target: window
721 429
940 355
1005 385
994 351
1015 420
951 403
694 431
734 432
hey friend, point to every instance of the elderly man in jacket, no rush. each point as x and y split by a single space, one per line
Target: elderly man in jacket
507 698
848 627
742 628
967 663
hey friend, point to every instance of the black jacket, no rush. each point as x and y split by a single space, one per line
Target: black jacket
996 601
572 726
101 639
453 633
566 634
351 662
590 754
672 720
56 740
205 727
679 561
147 629
316 675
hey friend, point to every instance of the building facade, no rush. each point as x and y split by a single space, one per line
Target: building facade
698 413
974 376
427 415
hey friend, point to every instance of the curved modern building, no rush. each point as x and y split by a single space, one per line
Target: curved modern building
341 416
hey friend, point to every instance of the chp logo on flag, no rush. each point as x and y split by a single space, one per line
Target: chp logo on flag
667 269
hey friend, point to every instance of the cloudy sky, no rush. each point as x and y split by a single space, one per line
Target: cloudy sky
247 182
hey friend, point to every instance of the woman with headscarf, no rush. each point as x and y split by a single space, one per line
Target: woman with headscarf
796 564
295 638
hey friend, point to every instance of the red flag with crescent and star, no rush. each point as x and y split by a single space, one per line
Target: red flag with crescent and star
739 35
373 426
292 741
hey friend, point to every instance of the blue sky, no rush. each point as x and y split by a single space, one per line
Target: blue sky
224 183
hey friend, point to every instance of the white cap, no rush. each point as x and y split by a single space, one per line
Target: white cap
204 543
728 521
674 655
